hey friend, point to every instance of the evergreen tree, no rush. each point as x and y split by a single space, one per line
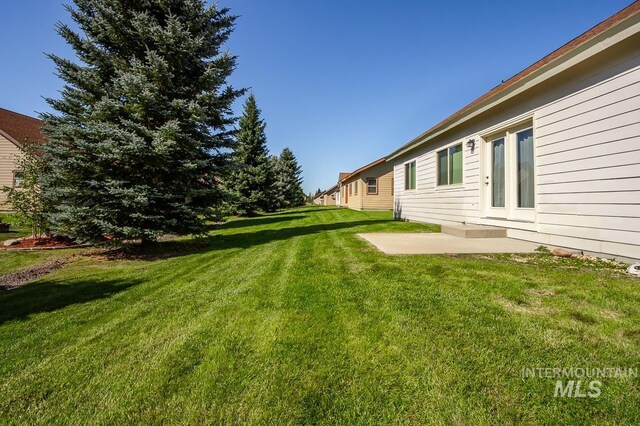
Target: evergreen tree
289 180
252 178
137 147
275 199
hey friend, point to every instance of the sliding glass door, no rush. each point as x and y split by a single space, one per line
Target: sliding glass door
509 183
497 173
526 188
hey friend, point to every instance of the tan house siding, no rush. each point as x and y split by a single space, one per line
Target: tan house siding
330 199
355 196
8 153
383 200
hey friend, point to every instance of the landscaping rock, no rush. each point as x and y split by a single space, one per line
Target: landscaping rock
24 276
560 252
11 243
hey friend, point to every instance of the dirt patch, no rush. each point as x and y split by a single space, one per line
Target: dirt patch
631 334
583 317
541 292
521 306
528 305
19 278
607 313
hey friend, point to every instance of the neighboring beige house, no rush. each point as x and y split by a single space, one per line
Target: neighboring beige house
552 154
329 196
14 129
317 200
368 188
339 199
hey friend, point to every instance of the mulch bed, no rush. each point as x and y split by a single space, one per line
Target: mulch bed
16 279
45 243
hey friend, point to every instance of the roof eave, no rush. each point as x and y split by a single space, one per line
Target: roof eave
577 54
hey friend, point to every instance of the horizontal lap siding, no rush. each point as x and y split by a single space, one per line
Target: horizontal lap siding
383 200
587 138
439 205
354 201
588 156
329 200
8 152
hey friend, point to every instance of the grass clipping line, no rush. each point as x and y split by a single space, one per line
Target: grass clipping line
25 276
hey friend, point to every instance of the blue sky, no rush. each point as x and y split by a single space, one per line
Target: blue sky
341 82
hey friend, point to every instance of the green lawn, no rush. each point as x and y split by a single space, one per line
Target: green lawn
290 318
16 230
11 261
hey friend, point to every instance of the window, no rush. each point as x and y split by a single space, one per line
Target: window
410 175
17 179
372 186
450 165
356 187
526 190
497 173
351 188
392 186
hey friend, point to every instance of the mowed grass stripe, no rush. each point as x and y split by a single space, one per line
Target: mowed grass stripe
290 318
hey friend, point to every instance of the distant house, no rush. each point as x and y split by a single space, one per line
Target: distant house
329 196
339 199
368 188
318 198
14 130
551 154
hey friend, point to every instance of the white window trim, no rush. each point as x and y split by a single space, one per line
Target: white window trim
13 179
511 210
366 184
404 175
453 186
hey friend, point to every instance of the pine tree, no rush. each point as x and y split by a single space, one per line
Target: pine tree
252 178
274 199
137 147
289 180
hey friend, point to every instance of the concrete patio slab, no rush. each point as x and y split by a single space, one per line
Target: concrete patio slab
437 243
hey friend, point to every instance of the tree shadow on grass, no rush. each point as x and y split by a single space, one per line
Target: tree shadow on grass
242 240
257 221
51 295
302 210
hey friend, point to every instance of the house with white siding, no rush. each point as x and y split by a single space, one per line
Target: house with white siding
552 154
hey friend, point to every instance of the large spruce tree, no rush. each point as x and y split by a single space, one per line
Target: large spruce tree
289 180
137 146
252 176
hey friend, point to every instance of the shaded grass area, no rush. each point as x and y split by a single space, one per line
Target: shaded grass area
16 229
290 318
11 261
